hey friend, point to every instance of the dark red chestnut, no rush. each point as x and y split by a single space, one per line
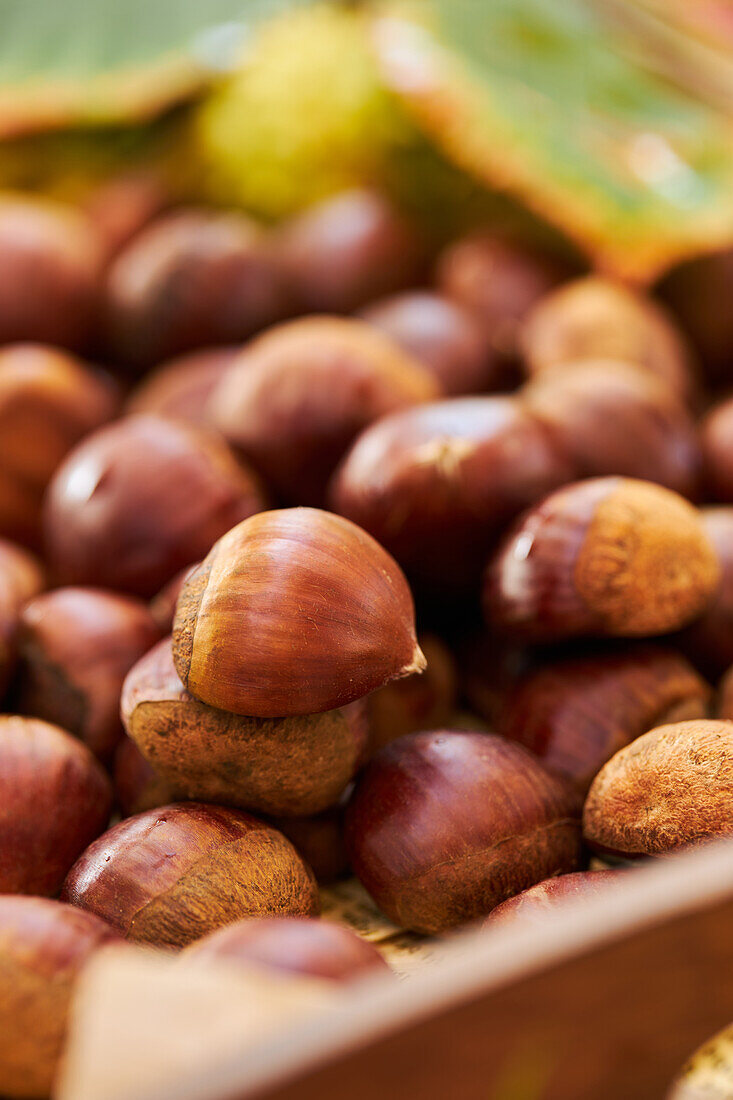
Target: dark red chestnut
347 250
181 387
606 556
76 646
444 826
716 440
43 947
708 641
173 874
54 800
137 787
296 945
543 899
136 502
297 397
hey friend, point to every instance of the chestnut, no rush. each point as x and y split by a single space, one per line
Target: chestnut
139 500
596 318
181 387
136 784
76 645
576 713
541 900
668 789
172 874
21 578
716 441
284 766
48 401
320 840
293 612
296 945
436 484
419 702
51 262
443 826
606 556
445 337
296 397
609 417
191 279
43 947
708 641
346 250
54 800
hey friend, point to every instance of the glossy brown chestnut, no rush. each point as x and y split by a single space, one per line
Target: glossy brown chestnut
543 899
173 874
576 713
21 578
606 556
708 641
48 402
297 396
141 499
423 701
136 785
437 483
181 387
54 800
43 947
282 766
294 612
609 417
51 260
320 840
190 280
595 318
347 250
445 825
297 945
668 789
716 440
76 646
448 340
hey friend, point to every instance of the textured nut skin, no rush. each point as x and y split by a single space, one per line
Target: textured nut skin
192 279
296 945
347 250
540 900
716 440
43 946
445 337
136 785
181 387
296 397
281 766
708 641
21 578
575 714
606 556
54 800
422 701
293 612
668 789
445 825
172 874
48 401
76 646
140 500
435 484
609 417
594 318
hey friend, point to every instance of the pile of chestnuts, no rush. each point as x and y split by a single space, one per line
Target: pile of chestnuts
322 554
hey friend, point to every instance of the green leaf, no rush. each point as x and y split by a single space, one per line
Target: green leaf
549 102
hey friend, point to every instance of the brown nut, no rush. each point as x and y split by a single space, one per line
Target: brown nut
51 261
716 441
76 646
422 701
595 318
347 250
296 945
445 825
54 800
190 280
609 417
668 789
173 874
181 387
140 500
21 578
708 641
445 337
293 612
48 402
296 398
607 556
137 787
536 903
576 713
283 766
43 947
437 483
